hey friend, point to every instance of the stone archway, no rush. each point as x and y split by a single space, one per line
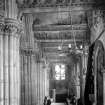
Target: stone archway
98 65
94 78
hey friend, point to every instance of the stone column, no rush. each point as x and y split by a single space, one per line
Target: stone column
11 63
78 79
47 80
41 83
81 79
1 64
37 82
6 68
26 79
103 86
43 79
83 73
11 10
22 78
29 35
34 77
29 77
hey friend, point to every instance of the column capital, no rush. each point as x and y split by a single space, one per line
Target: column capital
13 26
27 52
2 26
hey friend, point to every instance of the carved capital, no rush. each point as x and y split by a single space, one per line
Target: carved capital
9 28
52 3
27 52
2 25
13 27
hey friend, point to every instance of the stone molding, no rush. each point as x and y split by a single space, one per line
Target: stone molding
59 35
96 23
27 52
10 27
60 27
31 52
59 32
52 3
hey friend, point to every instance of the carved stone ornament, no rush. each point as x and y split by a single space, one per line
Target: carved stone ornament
98 64
60 35
27 51
97 25
2 25
52 3
59 28
10 26
24 2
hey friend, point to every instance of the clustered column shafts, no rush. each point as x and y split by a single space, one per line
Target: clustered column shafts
9 63
84 58
1 68
33 79
104 86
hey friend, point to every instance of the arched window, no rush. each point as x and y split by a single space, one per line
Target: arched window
60 72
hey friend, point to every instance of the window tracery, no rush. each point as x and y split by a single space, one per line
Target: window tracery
60 72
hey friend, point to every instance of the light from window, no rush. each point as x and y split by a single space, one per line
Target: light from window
60 72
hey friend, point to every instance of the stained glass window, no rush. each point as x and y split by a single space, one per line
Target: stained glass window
60 72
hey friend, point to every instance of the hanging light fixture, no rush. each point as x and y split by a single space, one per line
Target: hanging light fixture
60 47
69 45
81 47
72 47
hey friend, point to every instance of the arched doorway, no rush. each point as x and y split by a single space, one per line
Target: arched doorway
94 77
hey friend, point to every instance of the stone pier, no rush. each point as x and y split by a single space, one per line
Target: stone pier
9 63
